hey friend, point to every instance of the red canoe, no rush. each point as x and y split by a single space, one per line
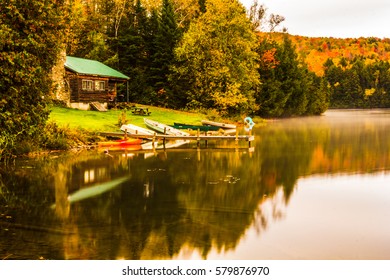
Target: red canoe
127 142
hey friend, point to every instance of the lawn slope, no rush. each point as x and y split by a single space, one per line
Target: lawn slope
112 119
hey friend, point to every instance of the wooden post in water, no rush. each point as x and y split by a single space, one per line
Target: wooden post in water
153 140
165 132
198 138
249 139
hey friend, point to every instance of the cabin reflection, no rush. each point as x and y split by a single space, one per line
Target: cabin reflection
89 176
184 203
154 213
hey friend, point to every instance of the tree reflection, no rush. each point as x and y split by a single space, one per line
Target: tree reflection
173 202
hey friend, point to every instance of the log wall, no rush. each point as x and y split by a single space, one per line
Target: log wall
78 94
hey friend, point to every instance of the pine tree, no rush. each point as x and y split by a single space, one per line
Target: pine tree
132 51
162 58
296 82
381 82
270 97
287 87
318 97
345 88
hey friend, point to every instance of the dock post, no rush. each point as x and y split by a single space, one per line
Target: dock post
126 134
198 138
249 139
236 138
153 140
165 132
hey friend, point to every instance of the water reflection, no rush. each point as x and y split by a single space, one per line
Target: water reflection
188 203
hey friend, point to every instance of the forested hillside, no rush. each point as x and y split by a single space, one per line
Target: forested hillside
316 51
357 71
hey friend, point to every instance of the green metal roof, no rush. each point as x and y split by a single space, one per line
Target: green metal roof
92 67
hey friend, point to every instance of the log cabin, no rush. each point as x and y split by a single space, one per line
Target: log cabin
91 84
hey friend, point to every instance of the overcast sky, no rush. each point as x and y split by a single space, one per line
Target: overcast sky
332 18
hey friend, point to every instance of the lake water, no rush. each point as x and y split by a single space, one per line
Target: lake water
311 188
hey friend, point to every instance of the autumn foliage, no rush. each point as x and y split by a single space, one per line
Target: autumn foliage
315 51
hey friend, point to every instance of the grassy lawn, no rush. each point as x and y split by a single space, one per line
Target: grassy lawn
108 121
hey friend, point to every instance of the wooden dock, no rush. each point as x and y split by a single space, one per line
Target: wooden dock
198 137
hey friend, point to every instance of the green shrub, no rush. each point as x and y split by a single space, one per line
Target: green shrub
122 118
64 137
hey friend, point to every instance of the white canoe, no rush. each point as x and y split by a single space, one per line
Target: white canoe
163 128
219 124
133 129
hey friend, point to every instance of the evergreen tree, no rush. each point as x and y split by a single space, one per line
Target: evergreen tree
352 90
270 96
162 58
345 88
287 87
296 82
30 42
328 63
318 97
333 75
133 51
202 6
381 77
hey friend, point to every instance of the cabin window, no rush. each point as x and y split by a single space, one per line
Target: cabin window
87 85
100 85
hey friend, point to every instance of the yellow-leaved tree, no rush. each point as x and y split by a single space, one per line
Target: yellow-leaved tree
216 60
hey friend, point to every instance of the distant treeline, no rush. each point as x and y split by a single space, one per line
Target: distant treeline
355 84
356 70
